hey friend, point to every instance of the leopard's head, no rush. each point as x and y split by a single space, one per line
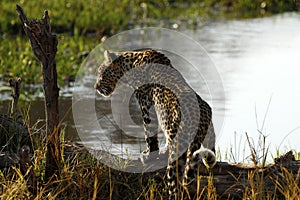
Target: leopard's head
109 72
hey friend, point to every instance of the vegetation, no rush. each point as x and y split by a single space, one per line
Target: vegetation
80 17
73 21
84 177
17 59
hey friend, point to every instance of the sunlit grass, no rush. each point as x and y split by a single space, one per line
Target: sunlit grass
18 60
84 177
13 185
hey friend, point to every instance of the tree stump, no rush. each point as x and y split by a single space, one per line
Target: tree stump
44 45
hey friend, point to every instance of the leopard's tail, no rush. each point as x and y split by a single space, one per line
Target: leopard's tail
208 156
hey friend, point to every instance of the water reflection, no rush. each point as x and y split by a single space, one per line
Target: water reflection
258 63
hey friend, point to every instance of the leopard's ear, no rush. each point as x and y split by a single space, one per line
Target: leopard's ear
109 56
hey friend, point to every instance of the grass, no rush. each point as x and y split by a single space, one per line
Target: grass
104 18
84 177
81 16
18 60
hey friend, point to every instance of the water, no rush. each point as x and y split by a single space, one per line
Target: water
258 63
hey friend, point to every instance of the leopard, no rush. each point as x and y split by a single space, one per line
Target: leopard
167 103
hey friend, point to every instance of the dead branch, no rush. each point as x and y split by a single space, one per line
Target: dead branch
15 84
44 45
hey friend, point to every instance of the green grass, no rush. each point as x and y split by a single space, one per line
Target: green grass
18 60
73 20
81 16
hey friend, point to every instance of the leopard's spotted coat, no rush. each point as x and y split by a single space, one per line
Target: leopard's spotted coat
167 100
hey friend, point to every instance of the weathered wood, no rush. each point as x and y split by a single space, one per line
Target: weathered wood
15 84
44 45
230 180
27 169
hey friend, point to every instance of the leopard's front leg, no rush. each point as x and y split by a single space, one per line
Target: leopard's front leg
150 123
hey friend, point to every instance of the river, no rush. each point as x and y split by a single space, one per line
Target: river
254 88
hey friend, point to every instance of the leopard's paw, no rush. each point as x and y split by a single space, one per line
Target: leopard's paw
148 157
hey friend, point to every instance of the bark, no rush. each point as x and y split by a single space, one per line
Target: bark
231 181
15 84
44 45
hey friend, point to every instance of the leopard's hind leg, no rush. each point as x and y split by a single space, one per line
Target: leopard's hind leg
172 172
203 154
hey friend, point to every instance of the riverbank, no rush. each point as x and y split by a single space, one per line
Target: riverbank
85 177
108 17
